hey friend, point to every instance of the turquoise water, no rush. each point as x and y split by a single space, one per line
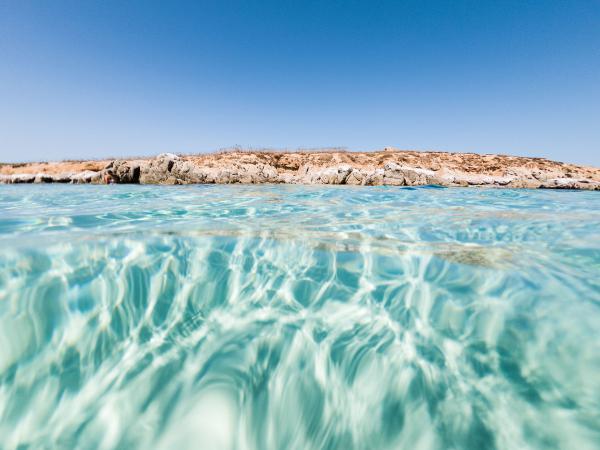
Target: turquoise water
290 317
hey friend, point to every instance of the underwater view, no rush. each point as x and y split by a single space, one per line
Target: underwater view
298 317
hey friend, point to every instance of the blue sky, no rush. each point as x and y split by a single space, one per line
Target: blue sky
81 79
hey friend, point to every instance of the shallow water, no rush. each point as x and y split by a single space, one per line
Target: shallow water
290 317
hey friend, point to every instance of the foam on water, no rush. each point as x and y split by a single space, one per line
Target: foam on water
289 317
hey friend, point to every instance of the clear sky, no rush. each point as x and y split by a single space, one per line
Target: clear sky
85 78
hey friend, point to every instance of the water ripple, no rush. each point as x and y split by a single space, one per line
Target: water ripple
272 317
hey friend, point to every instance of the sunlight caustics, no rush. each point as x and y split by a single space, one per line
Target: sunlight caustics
291 317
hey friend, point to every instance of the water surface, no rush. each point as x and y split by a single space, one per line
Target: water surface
290 317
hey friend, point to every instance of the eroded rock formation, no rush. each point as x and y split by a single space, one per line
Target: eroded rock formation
388 167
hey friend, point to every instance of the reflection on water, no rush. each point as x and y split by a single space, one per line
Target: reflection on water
288 317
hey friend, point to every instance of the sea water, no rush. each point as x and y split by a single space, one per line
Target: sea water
298 317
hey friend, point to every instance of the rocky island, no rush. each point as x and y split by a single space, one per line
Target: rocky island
387 167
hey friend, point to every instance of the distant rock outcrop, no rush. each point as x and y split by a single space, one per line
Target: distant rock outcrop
389 167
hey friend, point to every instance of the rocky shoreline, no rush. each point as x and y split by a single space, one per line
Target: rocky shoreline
388 167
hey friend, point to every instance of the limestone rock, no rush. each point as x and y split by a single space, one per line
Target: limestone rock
22 178
393 175
388 167
43 178
123 172
85 177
